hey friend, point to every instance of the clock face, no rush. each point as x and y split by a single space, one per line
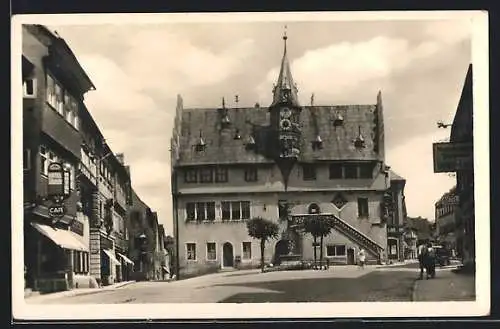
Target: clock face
285 124
286 113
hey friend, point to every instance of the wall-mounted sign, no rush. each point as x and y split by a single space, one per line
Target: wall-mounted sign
55 175
452 157
57 211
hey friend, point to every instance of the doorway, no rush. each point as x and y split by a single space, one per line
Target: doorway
280 249
227 255
350 257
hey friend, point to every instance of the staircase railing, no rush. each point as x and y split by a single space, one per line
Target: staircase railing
350 231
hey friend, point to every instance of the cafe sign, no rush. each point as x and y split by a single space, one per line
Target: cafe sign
57 211
452 157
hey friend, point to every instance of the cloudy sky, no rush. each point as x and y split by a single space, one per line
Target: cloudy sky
138 70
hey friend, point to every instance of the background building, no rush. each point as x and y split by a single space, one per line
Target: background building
446 223
395 225
282 163
143 241
422 227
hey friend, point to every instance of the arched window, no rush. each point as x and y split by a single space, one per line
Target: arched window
314 208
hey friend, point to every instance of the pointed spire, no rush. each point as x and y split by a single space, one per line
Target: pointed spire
285 89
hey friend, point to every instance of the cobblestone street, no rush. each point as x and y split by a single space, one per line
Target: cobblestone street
338 284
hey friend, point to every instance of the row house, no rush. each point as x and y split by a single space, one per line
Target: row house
88 245
56 250
395 199
446 211
144 242
163 255
283 162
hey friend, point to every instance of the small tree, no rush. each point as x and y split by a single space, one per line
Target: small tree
318 228
262 229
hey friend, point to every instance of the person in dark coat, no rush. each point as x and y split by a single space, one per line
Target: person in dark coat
430 261
421 255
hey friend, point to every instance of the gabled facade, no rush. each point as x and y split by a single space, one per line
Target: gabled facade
56 251
446 213
281 163
58 128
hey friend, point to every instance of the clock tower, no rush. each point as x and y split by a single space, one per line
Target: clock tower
285 118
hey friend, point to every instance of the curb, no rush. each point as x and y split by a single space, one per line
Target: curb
414 291
75 292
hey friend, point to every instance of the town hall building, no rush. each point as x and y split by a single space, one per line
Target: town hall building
283 162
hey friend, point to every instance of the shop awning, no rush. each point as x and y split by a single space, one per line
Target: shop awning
111 256
63 238
126 259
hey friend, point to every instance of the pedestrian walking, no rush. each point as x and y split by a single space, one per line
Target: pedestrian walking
430 261
361 258
420 255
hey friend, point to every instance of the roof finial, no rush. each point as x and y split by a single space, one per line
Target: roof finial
285 37
223 103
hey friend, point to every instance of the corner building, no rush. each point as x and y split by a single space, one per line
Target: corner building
283 163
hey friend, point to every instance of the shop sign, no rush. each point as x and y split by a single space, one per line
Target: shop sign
57 211
452 157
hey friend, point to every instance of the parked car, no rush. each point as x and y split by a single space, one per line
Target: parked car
443 255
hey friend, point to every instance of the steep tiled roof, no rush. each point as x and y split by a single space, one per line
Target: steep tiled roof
221 147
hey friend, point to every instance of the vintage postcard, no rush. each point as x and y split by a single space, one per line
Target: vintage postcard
249 165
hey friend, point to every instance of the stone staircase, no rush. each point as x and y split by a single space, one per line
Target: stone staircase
360 238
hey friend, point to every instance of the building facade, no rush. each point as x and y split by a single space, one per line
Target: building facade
396 222
144 249
284 163
447 210
56 250
462 134
58 128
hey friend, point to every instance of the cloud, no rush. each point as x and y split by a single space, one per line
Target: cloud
449 31
341 68
423 186
171 63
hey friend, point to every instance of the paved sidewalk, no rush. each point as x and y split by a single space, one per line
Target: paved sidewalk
446 286
75 292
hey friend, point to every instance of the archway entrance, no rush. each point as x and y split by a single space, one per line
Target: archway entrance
280 249
350 256
227 255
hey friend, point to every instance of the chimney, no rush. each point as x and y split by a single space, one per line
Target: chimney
120 157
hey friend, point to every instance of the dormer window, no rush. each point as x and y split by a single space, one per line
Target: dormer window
317 143
359 142
201 145
338 120
225 120
250 144
237 134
